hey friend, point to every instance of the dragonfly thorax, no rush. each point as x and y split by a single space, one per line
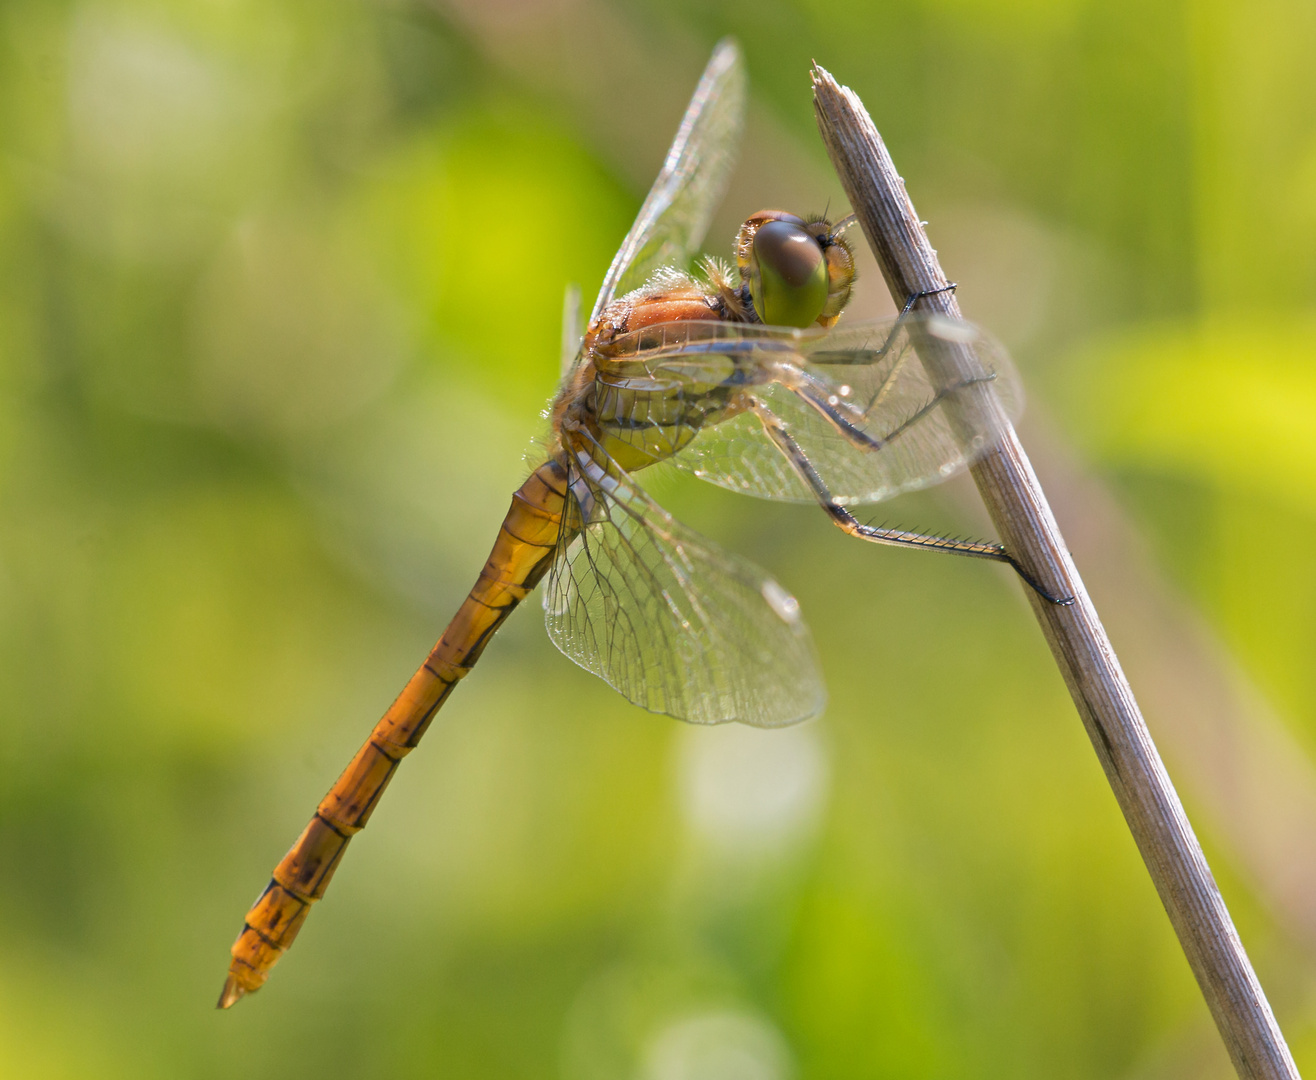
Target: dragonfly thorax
792 271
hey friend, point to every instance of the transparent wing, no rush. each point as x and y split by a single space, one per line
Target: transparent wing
572 334
667 618
674 218
857 400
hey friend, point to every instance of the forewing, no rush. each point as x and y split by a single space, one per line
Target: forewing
869 374
675 215
669 619
572 334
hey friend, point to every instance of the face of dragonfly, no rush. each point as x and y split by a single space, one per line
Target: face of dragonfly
799 271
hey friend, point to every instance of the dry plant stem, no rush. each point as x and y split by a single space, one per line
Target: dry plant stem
1078 641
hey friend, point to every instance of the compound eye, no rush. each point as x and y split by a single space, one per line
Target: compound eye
787 275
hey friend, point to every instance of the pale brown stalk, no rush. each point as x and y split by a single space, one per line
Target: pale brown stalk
1077 639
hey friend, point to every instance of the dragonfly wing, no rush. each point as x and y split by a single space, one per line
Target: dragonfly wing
674 218
572 334
666 617
908 432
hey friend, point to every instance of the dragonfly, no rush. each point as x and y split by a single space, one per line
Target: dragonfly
739 375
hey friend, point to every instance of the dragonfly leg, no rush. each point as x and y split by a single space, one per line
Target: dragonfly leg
896 327
851 525
852 432
915 297
869 356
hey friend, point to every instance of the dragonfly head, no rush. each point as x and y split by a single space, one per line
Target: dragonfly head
799 271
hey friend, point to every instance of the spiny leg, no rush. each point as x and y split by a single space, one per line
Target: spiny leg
867 356
856 435
851 525
915 297
880 393
818 394
846 521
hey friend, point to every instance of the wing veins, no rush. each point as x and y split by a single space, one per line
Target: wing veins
675 214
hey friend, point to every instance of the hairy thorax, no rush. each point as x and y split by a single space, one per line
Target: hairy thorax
640 425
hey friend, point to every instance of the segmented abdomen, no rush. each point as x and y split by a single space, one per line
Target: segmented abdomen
521 555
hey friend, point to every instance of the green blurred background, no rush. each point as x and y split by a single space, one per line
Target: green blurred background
280 285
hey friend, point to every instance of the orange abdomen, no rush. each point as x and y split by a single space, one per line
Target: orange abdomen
521 555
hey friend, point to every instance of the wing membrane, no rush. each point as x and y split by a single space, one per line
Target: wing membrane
674 218
666 617
869 375
572 334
